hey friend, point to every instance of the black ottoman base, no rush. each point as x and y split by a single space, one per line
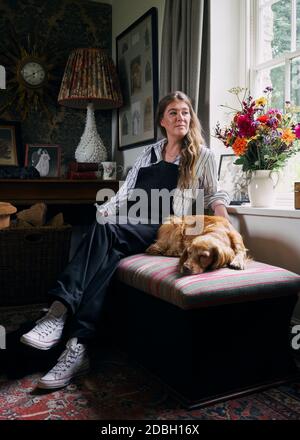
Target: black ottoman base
207 354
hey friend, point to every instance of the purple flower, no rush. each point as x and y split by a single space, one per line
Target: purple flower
272 111
272 122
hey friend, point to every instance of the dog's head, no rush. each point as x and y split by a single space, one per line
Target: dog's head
204 253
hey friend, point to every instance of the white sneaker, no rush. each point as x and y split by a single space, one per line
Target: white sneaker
48 330
72 363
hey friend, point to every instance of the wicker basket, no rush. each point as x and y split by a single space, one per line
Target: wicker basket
30 262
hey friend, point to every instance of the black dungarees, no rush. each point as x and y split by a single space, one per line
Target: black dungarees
84 282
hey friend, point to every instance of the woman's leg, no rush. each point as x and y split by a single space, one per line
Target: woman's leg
127 240
83 286
90 256
86 265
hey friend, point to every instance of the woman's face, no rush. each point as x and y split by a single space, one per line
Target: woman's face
176 119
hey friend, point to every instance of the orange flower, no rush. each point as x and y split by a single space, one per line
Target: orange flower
240 146
288 136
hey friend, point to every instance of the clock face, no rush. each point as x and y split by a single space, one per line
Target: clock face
33 74
32 81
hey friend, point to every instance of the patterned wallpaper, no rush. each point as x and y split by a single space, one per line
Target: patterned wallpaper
54 28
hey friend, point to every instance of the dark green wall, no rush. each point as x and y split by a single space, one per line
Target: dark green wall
56 27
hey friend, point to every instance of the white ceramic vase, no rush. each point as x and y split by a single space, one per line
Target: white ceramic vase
261 188
90 147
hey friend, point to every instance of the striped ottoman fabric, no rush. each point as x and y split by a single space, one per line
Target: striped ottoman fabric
158 276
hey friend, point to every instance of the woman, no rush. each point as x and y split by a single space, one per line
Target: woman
178 161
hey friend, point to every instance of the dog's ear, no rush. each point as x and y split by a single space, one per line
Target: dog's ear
182 259
205 254
221 256
206 259
218 259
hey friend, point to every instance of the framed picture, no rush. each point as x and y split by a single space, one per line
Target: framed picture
232 179
45 158
10 143
137 64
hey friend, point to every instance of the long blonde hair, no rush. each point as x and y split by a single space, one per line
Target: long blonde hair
191 142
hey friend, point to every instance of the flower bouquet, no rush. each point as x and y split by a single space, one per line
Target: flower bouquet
263 138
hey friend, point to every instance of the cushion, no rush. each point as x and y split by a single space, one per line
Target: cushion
158 276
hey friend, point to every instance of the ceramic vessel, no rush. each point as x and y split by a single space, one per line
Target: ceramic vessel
261 188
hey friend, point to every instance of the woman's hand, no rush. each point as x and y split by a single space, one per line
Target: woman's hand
221 211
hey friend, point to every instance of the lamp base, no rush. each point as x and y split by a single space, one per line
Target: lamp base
90 147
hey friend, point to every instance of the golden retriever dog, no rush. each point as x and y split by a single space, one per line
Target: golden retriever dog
202 242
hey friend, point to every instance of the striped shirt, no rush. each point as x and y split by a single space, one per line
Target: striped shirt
205 171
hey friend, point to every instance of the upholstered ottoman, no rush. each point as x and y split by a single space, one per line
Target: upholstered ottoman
207 336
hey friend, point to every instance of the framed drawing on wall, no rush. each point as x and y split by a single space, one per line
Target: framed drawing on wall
232 179
137 64
10 143
45 158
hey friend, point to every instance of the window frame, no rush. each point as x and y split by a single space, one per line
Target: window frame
285 59
251 11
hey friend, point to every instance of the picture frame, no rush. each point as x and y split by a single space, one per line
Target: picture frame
46 158
137 65
232 179
10 143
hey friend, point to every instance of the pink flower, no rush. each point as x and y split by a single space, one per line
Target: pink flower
246 129
297 131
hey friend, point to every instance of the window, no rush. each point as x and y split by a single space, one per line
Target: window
275 55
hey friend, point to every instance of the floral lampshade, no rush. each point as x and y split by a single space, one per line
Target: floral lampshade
90 81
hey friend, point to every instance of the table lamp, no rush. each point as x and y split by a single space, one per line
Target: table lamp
90 81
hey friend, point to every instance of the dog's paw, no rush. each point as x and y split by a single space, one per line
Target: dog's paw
153 249
239 262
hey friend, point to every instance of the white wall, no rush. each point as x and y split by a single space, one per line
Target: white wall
225 62
124 13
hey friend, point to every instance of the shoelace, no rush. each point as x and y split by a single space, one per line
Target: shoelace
46 325
67 358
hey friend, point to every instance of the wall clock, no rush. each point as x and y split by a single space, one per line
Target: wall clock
32 72
30 78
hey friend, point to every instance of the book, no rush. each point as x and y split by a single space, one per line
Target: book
74 175
83 166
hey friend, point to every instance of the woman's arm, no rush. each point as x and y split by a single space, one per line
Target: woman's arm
111 207
215 199
220 210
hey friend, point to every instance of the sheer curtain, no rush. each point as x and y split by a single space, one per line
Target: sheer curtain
185 54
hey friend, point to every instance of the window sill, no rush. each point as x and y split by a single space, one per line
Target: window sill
246 209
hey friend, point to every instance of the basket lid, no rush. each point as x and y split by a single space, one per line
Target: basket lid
7 208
